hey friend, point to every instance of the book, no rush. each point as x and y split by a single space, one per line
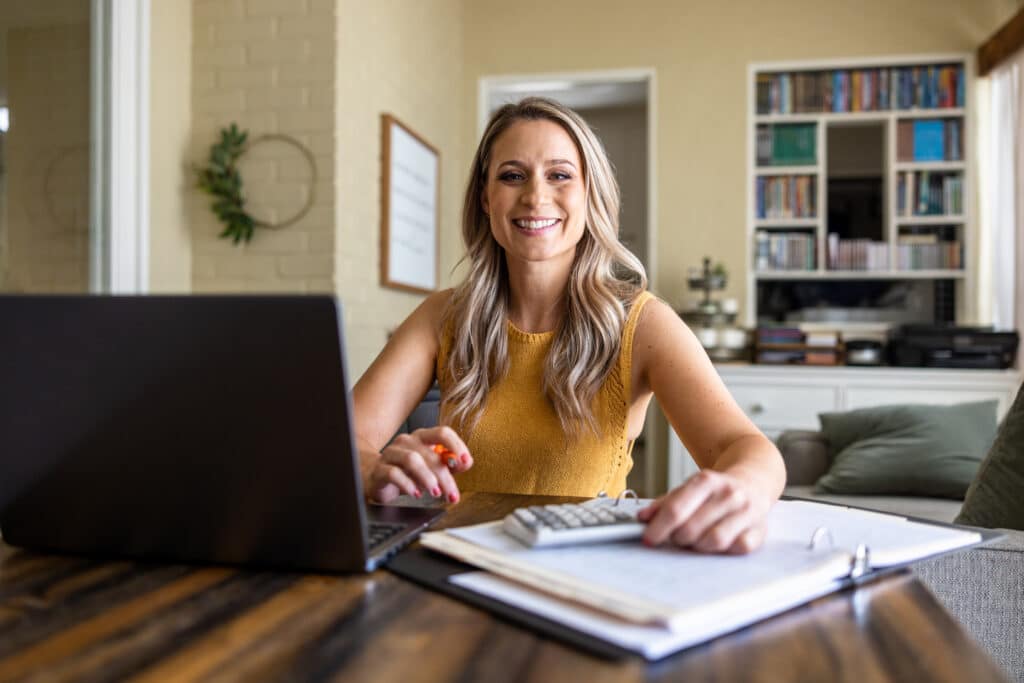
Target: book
684 598
929 140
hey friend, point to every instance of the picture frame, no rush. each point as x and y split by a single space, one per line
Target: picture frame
410 209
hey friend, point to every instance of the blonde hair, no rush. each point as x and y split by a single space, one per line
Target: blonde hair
604 281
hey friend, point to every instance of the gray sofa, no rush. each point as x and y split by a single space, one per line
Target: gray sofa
983 588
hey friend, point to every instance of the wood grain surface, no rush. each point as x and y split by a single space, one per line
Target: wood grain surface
79 619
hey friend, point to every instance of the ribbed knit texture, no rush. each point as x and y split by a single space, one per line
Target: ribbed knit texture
518 445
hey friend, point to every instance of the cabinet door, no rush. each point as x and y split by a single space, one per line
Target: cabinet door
779 407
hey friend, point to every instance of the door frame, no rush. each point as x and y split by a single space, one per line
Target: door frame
119 148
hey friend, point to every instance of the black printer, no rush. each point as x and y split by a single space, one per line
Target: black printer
951 346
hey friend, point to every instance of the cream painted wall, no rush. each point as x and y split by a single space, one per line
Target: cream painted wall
170 242
700 50
406 59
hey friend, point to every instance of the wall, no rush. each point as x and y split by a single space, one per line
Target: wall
47 166
170 126
269 66
406 59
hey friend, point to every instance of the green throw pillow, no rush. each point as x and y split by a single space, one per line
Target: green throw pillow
924 450
996 496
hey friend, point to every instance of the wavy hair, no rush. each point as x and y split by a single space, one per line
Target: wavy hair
604 281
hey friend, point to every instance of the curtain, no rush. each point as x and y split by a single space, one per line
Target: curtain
1001 152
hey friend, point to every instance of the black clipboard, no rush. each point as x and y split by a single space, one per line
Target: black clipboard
432 570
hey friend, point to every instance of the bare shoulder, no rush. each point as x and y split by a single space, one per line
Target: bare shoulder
429 315
663 342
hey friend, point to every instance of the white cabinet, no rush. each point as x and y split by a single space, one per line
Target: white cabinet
777 398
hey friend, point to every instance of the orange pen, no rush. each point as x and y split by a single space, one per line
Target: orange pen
446 455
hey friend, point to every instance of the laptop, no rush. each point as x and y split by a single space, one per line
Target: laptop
198 429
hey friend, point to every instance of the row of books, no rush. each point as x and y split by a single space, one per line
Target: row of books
784 251
780 345
856 254
915 255
929 193
786 197
843 90
788 144
929 140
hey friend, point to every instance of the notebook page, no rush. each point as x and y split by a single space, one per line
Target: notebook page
891 539
688 586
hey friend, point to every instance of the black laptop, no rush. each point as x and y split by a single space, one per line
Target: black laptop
209 429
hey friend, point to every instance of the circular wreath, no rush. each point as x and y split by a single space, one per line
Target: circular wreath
221 179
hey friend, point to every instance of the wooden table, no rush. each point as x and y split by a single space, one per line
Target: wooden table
65 618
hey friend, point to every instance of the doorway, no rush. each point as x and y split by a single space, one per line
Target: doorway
619 105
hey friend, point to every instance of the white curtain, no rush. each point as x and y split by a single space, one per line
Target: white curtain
1001 170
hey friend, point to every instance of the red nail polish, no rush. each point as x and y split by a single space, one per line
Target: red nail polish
464 458
416 493
436 491
453 497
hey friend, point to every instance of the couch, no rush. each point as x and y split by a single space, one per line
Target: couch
983 587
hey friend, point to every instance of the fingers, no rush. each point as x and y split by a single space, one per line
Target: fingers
709 513
449 448
676 507
426 461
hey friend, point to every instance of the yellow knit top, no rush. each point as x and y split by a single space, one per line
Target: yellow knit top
518 445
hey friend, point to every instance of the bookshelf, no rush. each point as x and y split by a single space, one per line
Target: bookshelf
861 169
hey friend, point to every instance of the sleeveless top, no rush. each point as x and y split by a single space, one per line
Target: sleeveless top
518 445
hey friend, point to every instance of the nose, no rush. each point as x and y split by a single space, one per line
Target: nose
535 192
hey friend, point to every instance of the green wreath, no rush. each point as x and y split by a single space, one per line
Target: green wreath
221 179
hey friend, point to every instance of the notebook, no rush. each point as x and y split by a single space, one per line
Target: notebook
210 429
656 601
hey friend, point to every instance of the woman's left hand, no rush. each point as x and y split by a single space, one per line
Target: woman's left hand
712 512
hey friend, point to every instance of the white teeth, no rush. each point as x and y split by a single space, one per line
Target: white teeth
535 225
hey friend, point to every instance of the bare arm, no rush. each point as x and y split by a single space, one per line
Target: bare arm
723 507
383 397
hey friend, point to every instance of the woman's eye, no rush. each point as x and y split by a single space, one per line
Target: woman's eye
511 176
560 175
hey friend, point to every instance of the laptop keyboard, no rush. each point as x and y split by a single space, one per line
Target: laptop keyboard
380 532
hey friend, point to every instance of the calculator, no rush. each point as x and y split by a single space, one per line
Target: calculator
542 526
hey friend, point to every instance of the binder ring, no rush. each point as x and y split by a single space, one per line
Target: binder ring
626 494
820 534
861 562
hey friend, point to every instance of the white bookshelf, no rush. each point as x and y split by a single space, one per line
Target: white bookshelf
894 222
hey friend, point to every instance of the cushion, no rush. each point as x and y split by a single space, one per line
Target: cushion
996 496
925 450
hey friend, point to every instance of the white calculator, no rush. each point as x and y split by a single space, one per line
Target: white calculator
542 526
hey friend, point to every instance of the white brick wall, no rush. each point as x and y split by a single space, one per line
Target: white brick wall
268 65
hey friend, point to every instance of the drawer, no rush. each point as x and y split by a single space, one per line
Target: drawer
774 408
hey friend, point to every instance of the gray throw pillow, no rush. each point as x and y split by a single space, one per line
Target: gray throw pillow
916 449
996 496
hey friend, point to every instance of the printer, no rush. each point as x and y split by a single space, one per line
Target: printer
951 346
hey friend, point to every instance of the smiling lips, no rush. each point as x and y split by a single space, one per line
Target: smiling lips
534 223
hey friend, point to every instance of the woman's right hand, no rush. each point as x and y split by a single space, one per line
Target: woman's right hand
410 464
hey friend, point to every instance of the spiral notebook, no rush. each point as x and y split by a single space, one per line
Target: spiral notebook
654 601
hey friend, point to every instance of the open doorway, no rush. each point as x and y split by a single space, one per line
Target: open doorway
619 106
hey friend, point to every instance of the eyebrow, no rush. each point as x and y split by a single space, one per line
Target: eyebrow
549 162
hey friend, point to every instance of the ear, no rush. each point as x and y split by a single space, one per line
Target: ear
484 204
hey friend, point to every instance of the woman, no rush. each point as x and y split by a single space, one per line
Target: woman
550 351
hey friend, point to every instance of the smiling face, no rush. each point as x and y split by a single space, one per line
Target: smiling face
535 196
